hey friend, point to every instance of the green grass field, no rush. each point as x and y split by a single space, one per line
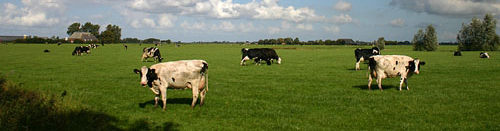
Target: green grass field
315 88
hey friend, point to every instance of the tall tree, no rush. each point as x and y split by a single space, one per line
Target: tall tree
380 43
479 35
296 41
430 39
418 40
75 27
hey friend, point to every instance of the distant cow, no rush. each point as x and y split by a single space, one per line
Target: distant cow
388 66
46 51
81 49
363 54
484 55
93 46
457 53
151 52
259 54
176 75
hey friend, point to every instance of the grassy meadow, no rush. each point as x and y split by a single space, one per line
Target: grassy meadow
315 88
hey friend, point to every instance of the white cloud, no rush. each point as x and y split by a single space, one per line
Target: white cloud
274 30
266 9
332 29
304 26
342 6
226 26
397 22
454 8
285 25
246 27
34 13
342 19
194 26
166 21
149 22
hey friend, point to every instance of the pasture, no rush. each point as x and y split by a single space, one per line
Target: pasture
315 88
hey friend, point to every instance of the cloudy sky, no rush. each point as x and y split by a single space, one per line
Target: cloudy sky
247 20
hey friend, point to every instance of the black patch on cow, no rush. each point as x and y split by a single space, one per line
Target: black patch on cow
46 51
151 76
399 73
365 53
372 63
137 71
396 62
411 66
204 68
173 80
394 68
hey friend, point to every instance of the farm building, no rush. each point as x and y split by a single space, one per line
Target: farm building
84 36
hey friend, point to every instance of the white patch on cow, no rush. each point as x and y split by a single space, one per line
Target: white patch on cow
144 78
246 58
375 52
279 60
246 49
416 62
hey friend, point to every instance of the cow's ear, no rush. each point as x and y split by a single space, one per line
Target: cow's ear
137 71
422 63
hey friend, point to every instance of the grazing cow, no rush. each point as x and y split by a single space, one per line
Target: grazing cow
259 54
388 66
457 53
484 55
46 51
363 54
151 52
176 75
93 46
81 49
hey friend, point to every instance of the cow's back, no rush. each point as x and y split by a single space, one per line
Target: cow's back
390 65
178 73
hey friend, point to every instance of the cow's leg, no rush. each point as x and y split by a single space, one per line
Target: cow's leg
357 65
163 92
401 82
203 88
370 79
157 98
268 62
196 92
406 83
379 82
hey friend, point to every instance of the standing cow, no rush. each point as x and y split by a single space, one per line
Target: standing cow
81 49
363 54
388 66
259 54
151 52
176 75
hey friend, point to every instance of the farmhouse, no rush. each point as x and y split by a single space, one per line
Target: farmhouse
84 36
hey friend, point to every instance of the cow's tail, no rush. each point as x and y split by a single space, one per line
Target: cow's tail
205 73
371 66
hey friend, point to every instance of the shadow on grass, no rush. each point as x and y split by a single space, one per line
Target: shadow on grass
169 101
28 110
375 87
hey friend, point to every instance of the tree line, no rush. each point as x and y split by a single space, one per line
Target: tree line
112 33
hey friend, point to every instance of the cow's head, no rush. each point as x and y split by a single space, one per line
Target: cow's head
244 56
414 65
148 76
376 51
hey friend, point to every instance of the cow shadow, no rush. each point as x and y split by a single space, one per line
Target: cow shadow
169 101
375 87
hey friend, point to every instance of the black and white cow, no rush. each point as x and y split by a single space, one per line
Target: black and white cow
484 55
388 66
364 54
182 74
259 54
81 49
151 52
457 53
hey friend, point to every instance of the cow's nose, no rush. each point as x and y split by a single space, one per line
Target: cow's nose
143 83
416 72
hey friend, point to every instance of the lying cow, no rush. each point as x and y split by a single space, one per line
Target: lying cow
81 49
176 75
151 52
259 54
363 54
388 66
457 53
484 55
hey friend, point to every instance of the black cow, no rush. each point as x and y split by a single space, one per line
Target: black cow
457 53
259 54
364 54
151 52
484 55
81 49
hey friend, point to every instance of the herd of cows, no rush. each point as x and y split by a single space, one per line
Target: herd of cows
193 74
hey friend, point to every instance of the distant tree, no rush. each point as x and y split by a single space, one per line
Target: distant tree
112 34
289 40
418 40
380 43
479 35
152 40
430 39
131 40
168 41
75 27
107 36
296 41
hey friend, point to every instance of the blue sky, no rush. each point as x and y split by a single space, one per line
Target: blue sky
247 20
